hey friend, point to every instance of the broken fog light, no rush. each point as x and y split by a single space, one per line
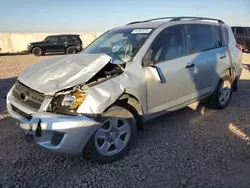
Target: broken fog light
75 100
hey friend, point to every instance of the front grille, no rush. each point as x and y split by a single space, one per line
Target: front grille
15 109
56 138
27 96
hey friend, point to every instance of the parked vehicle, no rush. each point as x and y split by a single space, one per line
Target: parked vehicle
67 43
242 36
95 101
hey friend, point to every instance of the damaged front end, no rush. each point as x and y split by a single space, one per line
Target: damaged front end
68 101
54 114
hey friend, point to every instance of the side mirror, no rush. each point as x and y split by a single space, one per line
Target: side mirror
147 59
155 73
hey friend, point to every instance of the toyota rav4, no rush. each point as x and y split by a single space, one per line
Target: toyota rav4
95 101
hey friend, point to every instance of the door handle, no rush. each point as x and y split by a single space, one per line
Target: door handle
223 56
190 65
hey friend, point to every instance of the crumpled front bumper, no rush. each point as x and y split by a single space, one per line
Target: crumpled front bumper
66 135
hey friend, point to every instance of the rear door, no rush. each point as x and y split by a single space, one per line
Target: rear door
62 43
206 52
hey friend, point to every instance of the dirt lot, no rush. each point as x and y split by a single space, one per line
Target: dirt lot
181 149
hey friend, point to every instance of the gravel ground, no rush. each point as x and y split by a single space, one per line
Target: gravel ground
181 149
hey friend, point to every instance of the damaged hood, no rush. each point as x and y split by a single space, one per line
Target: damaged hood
55 74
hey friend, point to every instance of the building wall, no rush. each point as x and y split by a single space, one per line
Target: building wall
17 42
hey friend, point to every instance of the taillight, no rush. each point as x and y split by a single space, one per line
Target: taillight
238 46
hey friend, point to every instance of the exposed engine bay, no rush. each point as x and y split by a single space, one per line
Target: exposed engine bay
60 106
108 71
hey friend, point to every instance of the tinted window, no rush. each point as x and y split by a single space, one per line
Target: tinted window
171 44
217 36
201 37
225 38
63 38
248 30
239 30
52 39
74 38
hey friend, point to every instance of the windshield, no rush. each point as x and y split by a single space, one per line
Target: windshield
121 44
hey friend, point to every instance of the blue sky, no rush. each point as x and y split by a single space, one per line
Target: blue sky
99 15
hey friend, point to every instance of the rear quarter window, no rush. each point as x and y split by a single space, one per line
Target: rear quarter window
74 39
217 36
225 37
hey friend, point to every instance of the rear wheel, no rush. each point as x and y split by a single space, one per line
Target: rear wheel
115 137
37 51
222 94
71 50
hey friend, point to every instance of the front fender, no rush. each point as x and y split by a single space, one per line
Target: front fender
101 96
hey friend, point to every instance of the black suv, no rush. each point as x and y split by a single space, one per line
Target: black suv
242 36
67 43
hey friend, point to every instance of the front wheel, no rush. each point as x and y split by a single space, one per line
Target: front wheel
115 137
222 94
37 51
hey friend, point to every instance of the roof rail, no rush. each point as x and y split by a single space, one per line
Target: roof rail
177 19
196 18
154 19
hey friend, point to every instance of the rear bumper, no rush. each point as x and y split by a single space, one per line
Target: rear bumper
65 135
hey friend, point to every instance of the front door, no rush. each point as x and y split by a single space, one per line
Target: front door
51 44
170 55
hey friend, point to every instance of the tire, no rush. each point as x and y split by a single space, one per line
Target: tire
37 51
71 50
117 145
216 99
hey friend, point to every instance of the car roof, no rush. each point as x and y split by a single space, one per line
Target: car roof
153 24
64 35
156 22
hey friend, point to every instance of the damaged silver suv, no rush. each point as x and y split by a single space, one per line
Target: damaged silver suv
94 102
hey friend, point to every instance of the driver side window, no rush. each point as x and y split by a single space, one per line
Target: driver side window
52 39
170 44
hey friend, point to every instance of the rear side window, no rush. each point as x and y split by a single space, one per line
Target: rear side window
62 38
201 37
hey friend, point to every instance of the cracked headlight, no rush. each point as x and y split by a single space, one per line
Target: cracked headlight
74 100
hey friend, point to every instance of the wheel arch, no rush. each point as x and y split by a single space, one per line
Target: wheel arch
32 48
128 98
